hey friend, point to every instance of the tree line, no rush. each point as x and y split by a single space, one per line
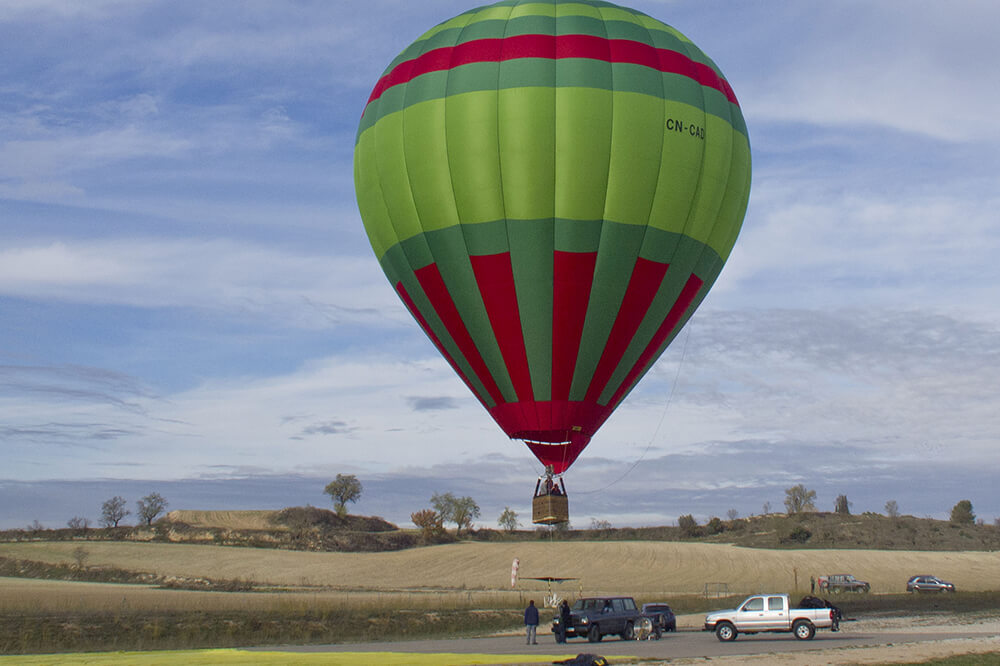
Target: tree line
462 511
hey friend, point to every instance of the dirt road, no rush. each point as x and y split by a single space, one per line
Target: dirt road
876 640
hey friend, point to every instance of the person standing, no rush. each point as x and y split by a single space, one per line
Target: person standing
564 620
531 622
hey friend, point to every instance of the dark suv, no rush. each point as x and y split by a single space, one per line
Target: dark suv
662 616
596 617
843 583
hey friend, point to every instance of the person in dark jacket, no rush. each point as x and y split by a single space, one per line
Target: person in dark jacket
564 620
531 622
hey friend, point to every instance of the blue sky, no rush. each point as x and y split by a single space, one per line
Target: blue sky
189 305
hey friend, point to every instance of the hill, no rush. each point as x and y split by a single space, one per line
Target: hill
810 530
292 518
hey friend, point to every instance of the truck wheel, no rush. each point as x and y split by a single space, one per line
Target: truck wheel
804 630
629 633
594 635
725 632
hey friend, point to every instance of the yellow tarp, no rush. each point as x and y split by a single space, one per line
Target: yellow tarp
236 657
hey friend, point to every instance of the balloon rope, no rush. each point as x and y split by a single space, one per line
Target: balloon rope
663 416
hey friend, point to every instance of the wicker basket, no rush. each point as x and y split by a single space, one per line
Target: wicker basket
550 509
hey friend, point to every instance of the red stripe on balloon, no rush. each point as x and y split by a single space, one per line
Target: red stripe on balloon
681 305
437 293
495 278
553 47
573 277
645 281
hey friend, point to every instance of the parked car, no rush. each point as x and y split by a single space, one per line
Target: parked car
596 617
769 613
662 616
928 584
842 583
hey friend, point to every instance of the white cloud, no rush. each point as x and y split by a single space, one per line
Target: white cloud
31 158
232 277
906 66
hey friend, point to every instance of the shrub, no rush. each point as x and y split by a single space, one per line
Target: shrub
689 526
799 534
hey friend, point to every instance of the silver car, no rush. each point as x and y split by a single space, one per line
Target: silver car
928 584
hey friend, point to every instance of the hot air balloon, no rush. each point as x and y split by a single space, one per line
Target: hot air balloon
552 188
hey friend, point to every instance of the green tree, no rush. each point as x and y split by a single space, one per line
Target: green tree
689 526
113 511
798 499
444 504
842 506
458 510
466 510
508 520
345 488
961 513
149 507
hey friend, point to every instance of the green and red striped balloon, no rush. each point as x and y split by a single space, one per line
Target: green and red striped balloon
552 187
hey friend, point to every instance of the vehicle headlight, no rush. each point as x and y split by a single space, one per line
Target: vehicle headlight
584 621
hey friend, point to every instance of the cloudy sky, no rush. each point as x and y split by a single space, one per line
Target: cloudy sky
189 305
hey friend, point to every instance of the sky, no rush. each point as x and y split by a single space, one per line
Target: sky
189 304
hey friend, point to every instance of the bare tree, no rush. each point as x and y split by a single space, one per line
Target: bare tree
596 524
345 488
798 499
149 507
766 508
80 555
113 510
892 509
732 514
78 523
842 506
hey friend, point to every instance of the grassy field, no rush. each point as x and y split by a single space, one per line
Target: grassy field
450 590
643 569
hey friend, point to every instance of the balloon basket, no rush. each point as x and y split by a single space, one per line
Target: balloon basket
550 509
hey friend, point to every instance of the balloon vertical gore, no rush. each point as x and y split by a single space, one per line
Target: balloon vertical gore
552 188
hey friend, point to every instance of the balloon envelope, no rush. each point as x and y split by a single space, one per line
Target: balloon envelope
552 188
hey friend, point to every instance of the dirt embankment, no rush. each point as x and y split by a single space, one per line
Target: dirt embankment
230 520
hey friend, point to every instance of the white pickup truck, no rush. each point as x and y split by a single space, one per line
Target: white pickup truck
769 612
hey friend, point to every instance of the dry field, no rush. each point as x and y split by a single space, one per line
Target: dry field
232 520
54 596
643 569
